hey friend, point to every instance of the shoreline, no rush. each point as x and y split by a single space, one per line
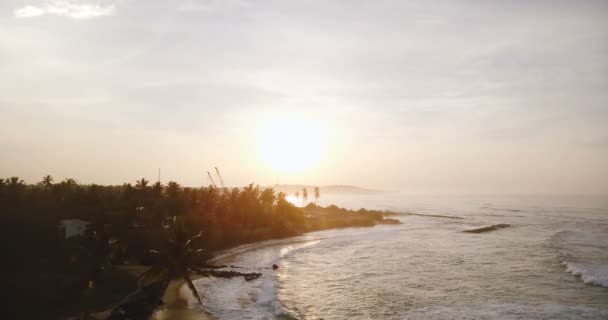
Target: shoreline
176 297
176 304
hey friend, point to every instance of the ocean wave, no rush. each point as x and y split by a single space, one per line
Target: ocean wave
229 254
493 227
593 274
237 299
488 207
494 310
267 296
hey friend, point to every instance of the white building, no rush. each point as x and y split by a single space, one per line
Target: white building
73 227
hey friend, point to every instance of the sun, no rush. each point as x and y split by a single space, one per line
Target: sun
290 144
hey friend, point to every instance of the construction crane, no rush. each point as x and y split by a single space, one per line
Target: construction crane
219 175
211 178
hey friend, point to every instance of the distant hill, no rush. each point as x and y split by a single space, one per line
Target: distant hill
331 189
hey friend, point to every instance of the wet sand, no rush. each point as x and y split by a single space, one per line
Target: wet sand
176 299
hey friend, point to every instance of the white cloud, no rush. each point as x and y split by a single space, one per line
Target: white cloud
67 8
29 11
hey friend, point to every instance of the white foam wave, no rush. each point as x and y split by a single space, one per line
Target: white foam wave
267 295
506 311
594 274
239 299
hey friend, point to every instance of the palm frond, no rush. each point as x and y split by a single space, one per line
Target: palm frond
198 235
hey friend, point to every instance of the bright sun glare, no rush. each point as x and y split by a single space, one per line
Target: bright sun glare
290 145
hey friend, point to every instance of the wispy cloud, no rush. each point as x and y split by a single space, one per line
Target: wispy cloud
211 6
80 10
29 11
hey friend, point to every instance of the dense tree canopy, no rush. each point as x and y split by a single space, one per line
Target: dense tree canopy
124 223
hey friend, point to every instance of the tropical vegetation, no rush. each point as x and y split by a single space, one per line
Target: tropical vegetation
170 229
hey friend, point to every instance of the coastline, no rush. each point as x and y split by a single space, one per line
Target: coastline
178 300
177 296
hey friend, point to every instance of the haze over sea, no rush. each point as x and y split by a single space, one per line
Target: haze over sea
552 263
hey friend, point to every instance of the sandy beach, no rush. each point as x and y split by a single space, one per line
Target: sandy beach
177 300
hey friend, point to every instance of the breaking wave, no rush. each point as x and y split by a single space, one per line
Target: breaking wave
594 274
257 299
584 254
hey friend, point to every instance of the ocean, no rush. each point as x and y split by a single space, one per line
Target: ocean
552 263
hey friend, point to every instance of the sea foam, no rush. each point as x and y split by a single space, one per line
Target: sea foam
594 274
251 300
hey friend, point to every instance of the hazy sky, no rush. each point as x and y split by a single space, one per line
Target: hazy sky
424 96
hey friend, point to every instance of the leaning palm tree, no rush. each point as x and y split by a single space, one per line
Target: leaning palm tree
179 260
182 258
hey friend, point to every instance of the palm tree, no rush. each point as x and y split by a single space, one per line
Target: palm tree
15 181
15 187
3 187
142 196
70 182
304 195
157 190
173 189
142 184
297 194
47 182
173 200
267 197
179 260
317 193
281 197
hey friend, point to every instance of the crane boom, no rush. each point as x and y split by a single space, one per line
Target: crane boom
211 178
219 175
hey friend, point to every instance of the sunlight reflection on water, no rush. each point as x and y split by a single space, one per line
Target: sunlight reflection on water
427 268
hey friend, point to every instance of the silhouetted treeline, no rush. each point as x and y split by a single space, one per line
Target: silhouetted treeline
319 218
124 223
47 273
226 216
